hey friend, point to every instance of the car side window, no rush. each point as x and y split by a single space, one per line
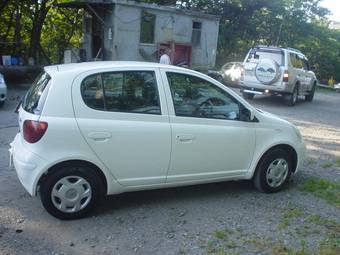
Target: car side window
296 61
126 91
196 97
305 64
92 92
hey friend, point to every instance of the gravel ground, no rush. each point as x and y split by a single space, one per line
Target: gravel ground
223 218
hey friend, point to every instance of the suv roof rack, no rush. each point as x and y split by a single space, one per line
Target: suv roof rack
267 46
296 50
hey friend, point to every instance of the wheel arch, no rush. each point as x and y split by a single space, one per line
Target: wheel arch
286 147
75 162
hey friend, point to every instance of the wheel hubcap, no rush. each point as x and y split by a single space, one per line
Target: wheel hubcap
71 194
277 172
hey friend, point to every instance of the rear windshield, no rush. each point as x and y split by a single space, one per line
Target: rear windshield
256 55
34 99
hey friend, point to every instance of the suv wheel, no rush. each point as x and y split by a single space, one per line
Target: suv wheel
310 96
249 96
293 97
273 171
220 79
70 192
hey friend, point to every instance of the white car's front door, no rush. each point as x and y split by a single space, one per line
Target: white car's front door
123 117
209 138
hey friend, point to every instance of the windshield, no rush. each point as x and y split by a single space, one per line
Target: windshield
35 97
256 55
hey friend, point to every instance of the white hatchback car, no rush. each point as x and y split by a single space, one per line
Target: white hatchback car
93 129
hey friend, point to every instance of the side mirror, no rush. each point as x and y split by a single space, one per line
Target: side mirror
252 115
246 114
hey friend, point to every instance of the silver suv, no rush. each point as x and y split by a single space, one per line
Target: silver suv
277 71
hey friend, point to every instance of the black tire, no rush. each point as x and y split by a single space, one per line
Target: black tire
310 96
260 177
292 98
48 183
249 96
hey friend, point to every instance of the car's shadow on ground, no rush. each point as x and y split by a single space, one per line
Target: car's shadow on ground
169 196
174 197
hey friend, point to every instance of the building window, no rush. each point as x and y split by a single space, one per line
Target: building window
196 33
147 29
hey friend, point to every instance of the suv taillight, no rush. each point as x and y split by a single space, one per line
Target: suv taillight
286 76
34 130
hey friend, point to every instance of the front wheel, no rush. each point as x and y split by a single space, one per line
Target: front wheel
70 192
246 95
273 171
310 96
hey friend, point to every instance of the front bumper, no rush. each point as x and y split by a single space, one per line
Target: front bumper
301 153
28 165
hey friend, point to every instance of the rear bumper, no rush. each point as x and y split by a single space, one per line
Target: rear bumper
268 90
27 164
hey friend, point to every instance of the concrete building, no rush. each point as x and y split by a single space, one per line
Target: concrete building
128 30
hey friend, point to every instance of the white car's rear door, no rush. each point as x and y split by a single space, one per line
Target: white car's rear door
123 117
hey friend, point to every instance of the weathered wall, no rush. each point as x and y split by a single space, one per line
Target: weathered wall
125 23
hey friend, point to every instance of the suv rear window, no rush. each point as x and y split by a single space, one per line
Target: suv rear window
35 97
256 55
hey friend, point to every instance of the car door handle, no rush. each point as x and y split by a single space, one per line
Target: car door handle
99 136
185 138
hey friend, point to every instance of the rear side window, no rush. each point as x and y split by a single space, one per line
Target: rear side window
256 55
127 91
298 61
34 99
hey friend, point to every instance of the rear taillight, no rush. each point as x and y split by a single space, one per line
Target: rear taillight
286 76
34 130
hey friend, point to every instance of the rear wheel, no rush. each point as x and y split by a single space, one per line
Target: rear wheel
70 192
292 98
249 96
310 96
273 171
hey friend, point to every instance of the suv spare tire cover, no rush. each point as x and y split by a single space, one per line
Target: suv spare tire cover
267 71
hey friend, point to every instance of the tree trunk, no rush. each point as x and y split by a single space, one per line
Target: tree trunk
41 11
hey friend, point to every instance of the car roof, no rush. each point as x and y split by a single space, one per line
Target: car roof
87 66
278 48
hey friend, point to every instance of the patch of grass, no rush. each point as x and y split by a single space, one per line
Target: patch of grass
311 161
280 249
220 234
323 189
289 213
332 226
331 245
231 244
337 162
327 164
